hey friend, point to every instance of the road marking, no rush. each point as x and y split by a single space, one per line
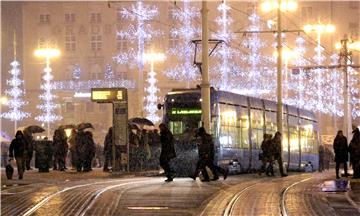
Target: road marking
283 195
147 208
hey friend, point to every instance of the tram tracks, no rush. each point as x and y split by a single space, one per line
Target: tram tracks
93 195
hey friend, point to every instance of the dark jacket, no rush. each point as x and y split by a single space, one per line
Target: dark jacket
167 145
17 147
354 148
60 143
206 149
341 149
108 143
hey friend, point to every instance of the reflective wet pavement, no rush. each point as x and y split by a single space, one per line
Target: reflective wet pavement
100 193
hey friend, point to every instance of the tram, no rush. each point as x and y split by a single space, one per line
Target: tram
238 124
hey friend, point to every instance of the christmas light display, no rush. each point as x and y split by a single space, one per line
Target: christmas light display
320 76
15 102
87 85
336 88
226 65
259 68
76 72
109 74
48 106
186 31
354 93
138 33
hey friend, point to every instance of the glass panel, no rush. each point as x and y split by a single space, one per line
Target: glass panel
257 124
228 128
244 127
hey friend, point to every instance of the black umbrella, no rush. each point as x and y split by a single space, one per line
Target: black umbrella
34 129
69 126
132 125
141 121
83 126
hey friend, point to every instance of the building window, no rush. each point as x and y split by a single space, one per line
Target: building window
70 107
44 19
70 40
306 13
69 17
173 41
95 18
102 107
354 5
122 43
96 42
96 72
89 107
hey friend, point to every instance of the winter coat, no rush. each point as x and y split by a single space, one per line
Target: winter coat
17 147
341 149
108 144
167 144
266 148
354 148
206 149
275 148
60 145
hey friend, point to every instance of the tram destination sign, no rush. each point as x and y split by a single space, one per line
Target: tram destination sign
108 95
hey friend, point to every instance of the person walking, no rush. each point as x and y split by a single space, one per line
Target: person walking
341 152
206 157
29 148
17 149
107 150
354 150
277 152
266 156
167 151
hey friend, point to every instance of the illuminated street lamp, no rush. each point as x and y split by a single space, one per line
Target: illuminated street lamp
280 6
48 106
151 98
3 100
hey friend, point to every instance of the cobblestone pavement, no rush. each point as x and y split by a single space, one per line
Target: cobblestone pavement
98 193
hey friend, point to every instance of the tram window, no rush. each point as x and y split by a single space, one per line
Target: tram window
307 137
270 121
228 136
257 125
244 128
176 127
294 139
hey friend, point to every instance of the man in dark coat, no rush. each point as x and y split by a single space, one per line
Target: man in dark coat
107 150
321 158
167 151
267 156
354 149
341 152
29 148
60 149
17 149
88 151
277 152
206 151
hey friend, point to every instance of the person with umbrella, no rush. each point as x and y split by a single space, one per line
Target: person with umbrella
167 151
107 150
85 147
17 149
29 147
60 149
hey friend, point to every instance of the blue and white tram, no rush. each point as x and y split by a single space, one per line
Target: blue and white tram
238 124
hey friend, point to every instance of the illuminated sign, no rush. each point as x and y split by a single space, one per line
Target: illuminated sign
107 95
184 111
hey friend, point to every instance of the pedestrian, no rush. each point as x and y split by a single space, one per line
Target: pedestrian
88 152
354 149
341 152
108 150
29 148
72 143
321 158
17 149
277 152
206 151
60 147
266 156
167 151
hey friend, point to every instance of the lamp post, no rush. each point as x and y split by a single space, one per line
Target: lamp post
48 106
279 6
345 47
150 106
205 84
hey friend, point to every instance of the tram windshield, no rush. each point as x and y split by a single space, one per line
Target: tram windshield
184 119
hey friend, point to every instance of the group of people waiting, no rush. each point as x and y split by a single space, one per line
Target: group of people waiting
271 152
342 151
